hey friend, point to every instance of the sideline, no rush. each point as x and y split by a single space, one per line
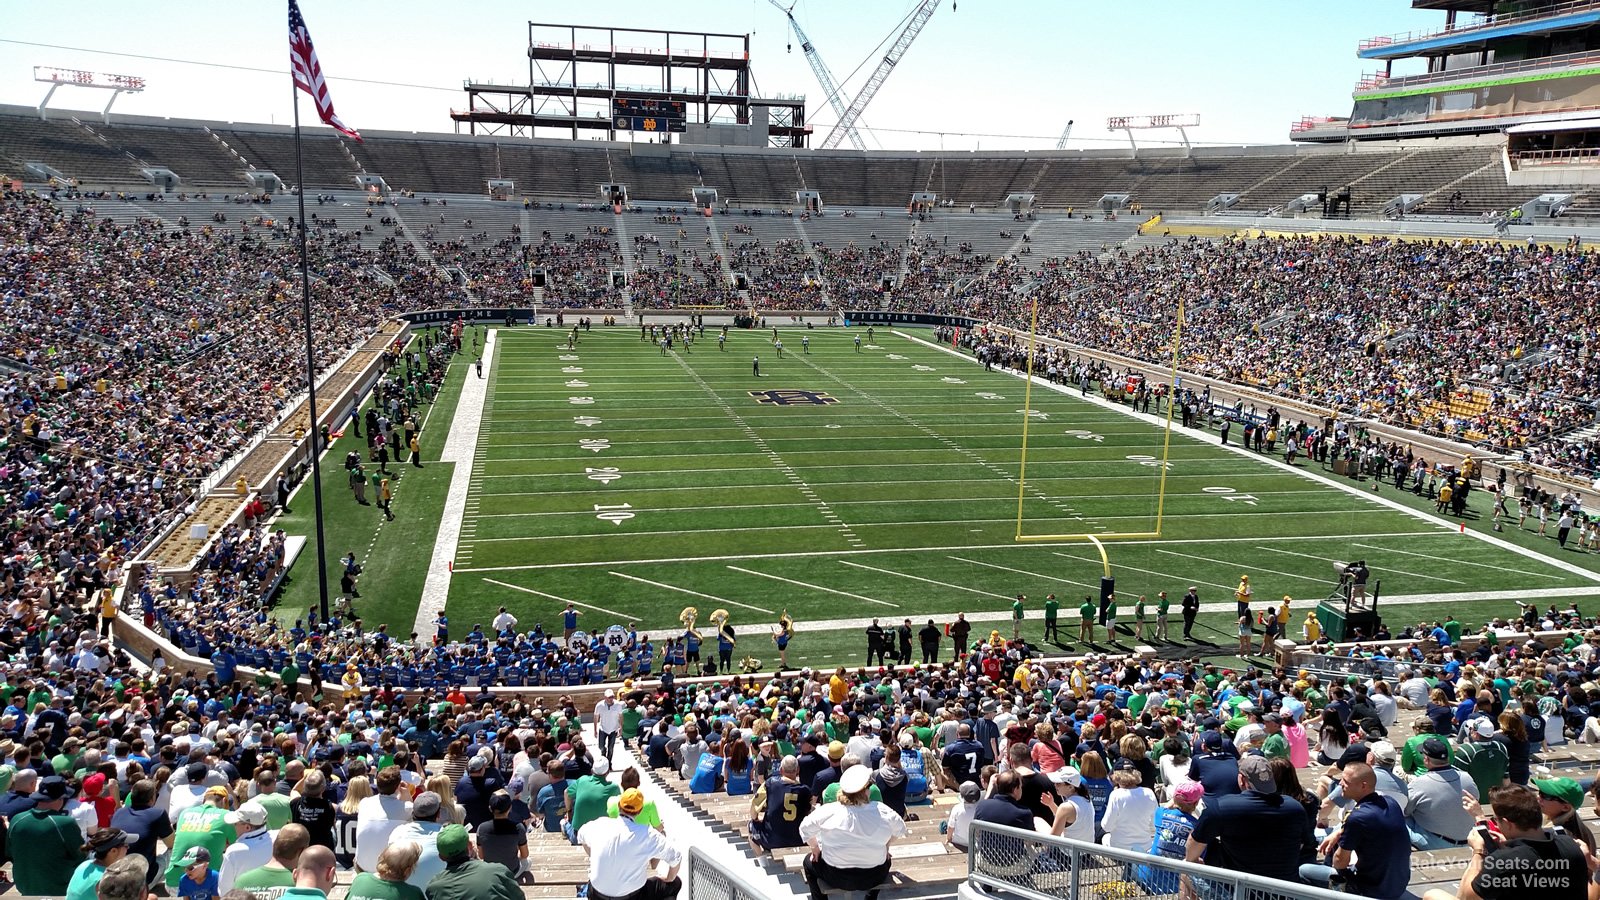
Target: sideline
460 446
1206 438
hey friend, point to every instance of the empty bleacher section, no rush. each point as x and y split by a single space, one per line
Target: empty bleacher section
197 158
326 164
66 147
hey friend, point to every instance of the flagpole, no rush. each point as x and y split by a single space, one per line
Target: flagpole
311 365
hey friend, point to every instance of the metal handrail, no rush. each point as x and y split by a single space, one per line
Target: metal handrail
1553 157
1571 6
1012 862
1376 82
706 879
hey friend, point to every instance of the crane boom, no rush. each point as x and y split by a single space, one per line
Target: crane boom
1062 144
824 76
847 121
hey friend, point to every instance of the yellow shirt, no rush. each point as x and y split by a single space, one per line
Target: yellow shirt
837 689
108 604
1283 613
1313 628
1241 594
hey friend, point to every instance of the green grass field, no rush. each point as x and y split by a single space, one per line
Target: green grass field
634 484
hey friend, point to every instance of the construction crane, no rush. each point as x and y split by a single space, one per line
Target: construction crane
824 77
847 120
1062 144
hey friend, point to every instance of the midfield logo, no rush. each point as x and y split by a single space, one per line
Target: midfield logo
793 398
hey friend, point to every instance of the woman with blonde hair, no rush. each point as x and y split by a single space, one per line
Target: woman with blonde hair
1129 817
450 812
1133 749
1096 782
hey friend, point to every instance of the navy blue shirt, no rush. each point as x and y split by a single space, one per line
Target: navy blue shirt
1217 772
1254 832
1376 832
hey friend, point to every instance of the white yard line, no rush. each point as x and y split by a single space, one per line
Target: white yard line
1462 562
1255 568
1055 578
966 547
684 590
1329 559
1127 568
956 587
527 590
1279 464
814 587
460 444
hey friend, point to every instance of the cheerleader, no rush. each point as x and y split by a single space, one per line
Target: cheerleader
781 639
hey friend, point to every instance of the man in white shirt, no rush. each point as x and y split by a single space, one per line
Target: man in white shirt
620 851
251 850
377 817
608 722
504 622
849 839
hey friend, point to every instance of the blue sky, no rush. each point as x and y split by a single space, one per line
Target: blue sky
990 74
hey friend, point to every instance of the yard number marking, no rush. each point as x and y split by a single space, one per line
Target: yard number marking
1082 435
604 474
1230 495
613 513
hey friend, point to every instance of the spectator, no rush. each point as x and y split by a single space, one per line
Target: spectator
475 788
105 846
52 838
377 817
649 816
620 851
503 841
269 880
1129 819
422 830
551 801
586 799
314 874
1435 817
465 878
1524 859
1560 800
389 880
147 823
1371 847
197 880
1254 830
958 823
849 840
313 810
781 803
251 849
1173 825
126 879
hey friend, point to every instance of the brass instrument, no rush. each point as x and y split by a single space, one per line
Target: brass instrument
719 618
687 617
785 627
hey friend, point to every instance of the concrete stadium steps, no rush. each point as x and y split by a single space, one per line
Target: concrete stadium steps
69 149
1060 237
1310 174
922 865
196 157
1422 173
326 165
178 550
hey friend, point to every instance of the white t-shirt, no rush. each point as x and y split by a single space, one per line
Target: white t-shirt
959 823
620 851
1130 818
377 817
426 836
853 837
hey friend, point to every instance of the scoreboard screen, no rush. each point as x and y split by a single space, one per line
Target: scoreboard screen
659 109
657 124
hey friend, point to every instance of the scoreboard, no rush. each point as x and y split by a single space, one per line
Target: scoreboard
634 114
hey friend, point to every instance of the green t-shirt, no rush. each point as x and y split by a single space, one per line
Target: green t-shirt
1136 703
1111 610
368 886
269 882
277 807
1161 606
1016 609
1086 611
831 793
1051 608
649 816
1138 610
289 673
1486 762
1411 760
631 716
52 841
589 795
199 826
1453 628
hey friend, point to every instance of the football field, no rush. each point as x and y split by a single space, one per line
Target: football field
844 484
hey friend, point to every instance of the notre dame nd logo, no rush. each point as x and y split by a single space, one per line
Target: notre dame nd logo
793 398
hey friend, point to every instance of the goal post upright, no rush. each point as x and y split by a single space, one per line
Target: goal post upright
1166 449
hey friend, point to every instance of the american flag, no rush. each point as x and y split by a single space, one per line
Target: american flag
308 72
